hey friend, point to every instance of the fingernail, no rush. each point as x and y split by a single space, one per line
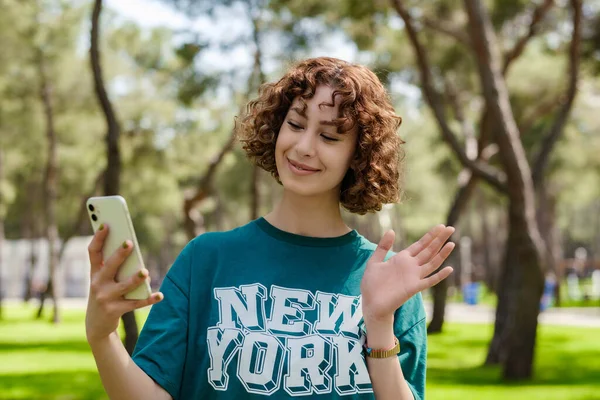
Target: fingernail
101 227
157 296
125 244
141 274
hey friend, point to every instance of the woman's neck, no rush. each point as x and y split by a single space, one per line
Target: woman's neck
308 216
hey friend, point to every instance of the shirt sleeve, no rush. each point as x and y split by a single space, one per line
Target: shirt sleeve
162 346
411 330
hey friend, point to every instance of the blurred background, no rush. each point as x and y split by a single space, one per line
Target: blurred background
499 100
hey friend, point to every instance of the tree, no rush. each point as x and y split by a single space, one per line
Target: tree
522 279
2 212
193 221
469 181
113 168
50 185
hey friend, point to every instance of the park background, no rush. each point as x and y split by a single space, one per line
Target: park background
500 104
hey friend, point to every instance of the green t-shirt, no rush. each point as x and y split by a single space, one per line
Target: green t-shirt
256 312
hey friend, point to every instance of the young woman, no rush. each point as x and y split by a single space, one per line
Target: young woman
295 303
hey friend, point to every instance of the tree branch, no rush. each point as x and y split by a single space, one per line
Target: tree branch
517 50
204 187
471 144
531 117
81 213
112 181
255 17
447 29
483 170
550 139
498 104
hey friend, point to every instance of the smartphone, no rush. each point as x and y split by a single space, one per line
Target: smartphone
113 211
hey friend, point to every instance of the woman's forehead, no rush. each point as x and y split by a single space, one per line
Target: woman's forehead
322 101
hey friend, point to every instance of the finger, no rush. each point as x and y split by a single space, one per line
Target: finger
440 257
384 246
95 248
130 305
131 283
419 245
111 266
435 245
435 278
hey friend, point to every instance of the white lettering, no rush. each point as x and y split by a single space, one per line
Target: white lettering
287 312
308 362
247 303
352 375
260 363
332 308
222 345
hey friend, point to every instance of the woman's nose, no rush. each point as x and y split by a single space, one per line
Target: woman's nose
306 144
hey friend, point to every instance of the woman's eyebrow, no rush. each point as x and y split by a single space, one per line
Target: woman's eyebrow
302 112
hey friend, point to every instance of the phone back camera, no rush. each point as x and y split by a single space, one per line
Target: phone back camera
94 217
91 207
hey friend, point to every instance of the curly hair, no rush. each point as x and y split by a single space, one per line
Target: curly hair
373 177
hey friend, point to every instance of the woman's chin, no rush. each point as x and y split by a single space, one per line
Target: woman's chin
303 190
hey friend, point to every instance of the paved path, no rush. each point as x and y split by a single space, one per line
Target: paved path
586 317
459 312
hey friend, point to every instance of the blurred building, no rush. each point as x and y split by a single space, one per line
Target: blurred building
25 263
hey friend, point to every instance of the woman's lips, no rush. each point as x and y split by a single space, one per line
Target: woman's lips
301 169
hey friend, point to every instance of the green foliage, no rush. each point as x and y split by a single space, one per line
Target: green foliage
506 10
175 112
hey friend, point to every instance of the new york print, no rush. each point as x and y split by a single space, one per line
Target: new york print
293 340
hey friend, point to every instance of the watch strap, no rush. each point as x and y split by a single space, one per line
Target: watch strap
379 353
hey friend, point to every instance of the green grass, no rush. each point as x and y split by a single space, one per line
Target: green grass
567 365
42 361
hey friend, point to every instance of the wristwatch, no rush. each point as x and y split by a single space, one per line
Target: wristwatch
378 353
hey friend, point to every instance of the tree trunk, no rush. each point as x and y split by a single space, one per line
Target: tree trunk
546 218
50 188
81 215
28 281
541 161
440 291
260 80
518 306
113 168
487 245
520 290
2 214
522 279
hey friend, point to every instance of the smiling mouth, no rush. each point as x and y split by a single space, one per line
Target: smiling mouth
302 167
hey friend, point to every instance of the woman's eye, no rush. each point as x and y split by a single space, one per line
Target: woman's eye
329 138
294 126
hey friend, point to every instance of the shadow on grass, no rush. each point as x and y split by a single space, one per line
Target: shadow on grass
52 386
562 369
561 359
68 346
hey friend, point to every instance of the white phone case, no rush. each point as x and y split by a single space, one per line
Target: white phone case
113 211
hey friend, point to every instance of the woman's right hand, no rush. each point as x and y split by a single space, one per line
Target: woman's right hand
106 303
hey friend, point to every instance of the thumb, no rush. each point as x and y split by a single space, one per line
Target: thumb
385 245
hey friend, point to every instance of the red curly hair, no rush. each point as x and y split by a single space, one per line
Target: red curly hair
373 177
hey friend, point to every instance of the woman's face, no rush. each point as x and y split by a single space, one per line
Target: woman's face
312 158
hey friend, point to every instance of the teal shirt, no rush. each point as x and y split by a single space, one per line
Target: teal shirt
257 312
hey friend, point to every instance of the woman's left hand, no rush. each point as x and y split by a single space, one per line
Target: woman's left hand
386 285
